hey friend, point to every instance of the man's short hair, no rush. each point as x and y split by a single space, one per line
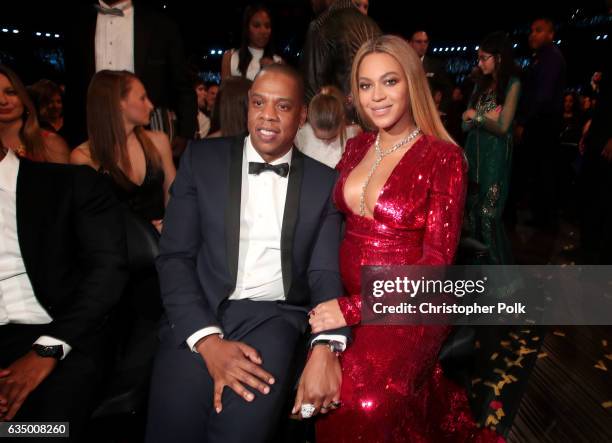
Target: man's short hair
416 31
287 70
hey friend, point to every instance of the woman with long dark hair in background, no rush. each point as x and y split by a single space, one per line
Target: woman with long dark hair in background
489 123
256 49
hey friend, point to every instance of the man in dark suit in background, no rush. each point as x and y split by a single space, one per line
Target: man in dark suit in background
434 68
250 243
332 41
62 269
126 35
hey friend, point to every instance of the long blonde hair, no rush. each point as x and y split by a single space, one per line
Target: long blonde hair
30 133
422 106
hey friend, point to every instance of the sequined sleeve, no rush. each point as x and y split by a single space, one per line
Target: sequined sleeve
350 306
445 208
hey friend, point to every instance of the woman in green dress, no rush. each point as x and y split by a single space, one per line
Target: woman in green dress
488 121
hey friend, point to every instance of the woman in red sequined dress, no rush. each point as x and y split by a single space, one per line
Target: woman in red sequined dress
402 190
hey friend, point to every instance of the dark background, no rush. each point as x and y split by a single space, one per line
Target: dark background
216 25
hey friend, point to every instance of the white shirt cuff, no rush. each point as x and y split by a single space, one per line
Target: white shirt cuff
338 338
45 340
198 335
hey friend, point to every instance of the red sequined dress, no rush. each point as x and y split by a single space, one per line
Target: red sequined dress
393 389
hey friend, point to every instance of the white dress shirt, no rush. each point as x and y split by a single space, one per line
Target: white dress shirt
18 304
115 38
262 205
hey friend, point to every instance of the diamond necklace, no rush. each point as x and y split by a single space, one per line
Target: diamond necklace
380 154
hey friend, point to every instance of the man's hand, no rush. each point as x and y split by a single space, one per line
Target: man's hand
232 363
607 151
320 382
326 316
179 144
20 379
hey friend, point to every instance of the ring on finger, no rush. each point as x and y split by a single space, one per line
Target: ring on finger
307 410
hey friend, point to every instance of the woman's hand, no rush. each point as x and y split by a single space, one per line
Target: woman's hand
326 316
468 115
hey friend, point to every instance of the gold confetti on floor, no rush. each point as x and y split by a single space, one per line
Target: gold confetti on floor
543 355
500 413
514 336
491 420
601 365
607 404
494 356
493 386
536 338
559 333
608 356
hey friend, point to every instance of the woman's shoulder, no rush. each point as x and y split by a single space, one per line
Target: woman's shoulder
81 155
444 150
355 147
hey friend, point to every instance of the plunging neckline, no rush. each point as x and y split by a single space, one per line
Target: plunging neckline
418 141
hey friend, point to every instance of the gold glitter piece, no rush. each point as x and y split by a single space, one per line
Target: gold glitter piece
559 333
526 331
500 413
491 420
514 336
476 380
492 386
523 342
505 343
536 338
494 356
524 351
608 356
607 404
511 363
543 355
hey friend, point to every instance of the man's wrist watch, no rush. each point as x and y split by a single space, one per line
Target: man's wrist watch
56 351
335 346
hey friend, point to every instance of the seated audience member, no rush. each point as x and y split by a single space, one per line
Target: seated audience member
60 277
212 88
326 133
47 98
139 165
19 128
230 114
203 119
138 162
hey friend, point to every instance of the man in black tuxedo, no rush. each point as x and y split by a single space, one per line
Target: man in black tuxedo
62 268
126 35
250 243
434 68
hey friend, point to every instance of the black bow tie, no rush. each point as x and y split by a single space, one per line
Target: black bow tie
109 11
257 167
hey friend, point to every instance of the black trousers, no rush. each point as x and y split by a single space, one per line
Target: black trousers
67 394
181 399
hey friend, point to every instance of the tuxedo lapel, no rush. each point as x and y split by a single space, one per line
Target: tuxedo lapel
142 40
29 229
232 209
290 216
